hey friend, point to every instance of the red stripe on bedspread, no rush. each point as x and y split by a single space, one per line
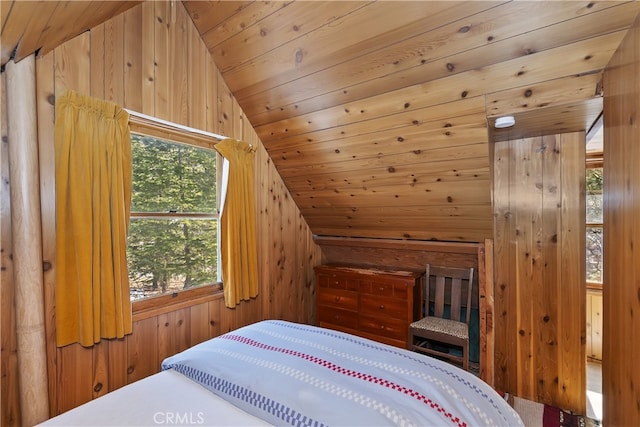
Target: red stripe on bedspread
351 373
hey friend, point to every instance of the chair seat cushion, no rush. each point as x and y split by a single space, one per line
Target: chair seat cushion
443 326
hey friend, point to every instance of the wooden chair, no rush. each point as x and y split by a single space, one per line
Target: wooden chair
434 329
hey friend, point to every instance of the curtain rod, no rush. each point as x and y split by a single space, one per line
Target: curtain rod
150 119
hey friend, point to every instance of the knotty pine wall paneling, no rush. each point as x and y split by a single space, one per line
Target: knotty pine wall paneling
621 293
150 59
539 268
10 408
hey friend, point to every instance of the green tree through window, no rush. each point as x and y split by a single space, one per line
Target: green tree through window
594 224
172 242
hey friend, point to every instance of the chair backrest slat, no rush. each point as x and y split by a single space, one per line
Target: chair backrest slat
456 290
438 308
453 278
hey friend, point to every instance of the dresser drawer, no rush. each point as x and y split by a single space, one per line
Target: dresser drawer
386 288
338 282
336 316
383 306
338 298
384 326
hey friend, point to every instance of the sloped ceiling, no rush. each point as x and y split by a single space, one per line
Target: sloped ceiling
378 115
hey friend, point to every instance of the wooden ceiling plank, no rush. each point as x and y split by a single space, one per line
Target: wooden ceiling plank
37 25
403 175
439 115
473 127
474 212
479 150
443 171
5 11
311 93
383 147
572 117
464 192
16 25
542 95
507 42
445 233
366 29
579 58
209 14
65 25
285 26
402 222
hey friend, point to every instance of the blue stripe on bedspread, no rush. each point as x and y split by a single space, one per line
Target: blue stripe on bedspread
288 373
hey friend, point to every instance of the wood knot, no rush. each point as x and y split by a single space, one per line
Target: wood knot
46 265
464 29
130 370
464 94
400 139
391 169
528 93
97 387
450 66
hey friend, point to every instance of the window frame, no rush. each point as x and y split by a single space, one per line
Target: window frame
149 126
594 160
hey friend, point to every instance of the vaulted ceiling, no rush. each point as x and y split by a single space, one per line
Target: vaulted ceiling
378 115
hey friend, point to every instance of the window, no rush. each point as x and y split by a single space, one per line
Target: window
172 243
594 223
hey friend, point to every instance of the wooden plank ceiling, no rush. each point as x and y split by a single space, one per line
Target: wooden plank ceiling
378 115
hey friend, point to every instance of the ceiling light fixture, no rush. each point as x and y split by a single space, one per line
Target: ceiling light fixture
504 122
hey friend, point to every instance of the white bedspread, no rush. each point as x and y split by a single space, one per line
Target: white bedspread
288 373
164 399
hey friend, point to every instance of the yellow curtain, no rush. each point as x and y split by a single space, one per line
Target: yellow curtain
238 224
93 201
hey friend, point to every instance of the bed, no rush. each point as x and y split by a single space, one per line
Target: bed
283 373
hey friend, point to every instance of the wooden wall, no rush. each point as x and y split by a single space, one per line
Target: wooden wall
621 348
594 325
539 268
152 60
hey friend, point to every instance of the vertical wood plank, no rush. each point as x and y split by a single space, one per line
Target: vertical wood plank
73 65
572 332
77 389
10 406
141 362
197 56
100 369
132 57
552 218
114 60
621 304
45 87
199 323
148 56
224 107
97 57
117 364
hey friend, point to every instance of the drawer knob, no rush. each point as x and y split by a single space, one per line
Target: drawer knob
381 326
337 317
381 288
337 298
381 306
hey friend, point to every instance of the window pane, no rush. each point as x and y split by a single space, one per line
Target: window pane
594 255
594 208
171 177
168 255
594 195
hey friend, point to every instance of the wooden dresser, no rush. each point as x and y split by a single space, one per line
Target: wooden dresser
378 304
